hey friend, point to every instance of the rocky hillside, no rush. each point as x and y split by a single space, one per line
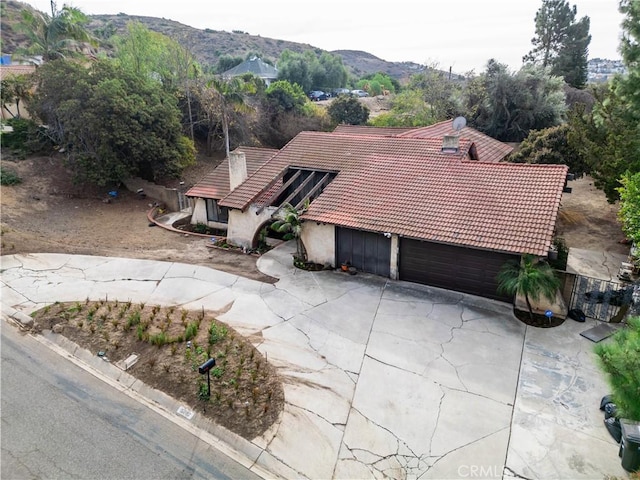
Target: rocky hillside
10 16
208 45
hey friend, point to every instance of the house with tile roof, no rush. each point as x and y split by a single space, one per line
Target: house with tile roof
424 210
217 184
255 66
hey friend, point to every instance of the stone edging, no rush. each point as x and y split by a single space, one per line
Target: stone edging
151 216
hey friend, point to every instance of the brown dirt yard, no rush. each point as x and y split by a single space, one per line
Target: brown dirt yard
47 213
587 221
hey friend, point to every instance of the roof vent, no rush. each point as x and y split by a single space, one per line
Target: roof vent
450 144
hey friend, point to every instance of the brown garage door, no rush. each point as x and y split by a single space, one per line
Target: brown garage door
455 268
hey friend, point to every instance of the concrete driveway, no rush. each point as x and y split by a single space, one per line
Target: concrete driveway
383 379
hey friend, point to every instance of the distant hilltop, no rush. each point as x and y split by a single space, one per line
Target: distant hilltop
602 69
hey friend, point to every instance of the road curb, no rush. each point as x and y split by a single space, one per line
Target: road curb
22 318
243 451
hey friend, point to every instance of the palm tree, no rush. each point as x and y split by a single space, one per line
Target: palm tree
288 222
229 97
530 277
56 36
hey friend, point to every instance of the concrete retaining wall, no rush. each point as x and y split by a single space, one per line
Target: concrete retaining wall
168 196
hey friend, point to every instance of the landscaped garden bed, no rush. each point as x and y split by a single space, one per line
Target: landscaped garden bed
246 394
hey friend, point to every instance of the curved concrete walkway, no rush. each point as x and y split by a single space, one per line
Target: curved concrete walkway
383 379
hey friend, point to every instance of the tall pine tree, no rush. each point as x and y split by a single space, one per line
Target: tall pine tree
561 42
609 135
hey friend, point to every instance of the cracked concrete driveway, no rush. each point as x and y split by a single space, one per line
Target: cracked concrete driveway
383 379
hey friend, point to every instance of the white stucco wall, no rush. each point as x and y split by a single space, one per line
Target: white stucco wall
13 111
243 226
199 214
320 242
558 307
395 249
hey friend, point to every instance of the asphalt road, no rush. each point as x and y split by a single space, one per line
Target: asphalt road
59 421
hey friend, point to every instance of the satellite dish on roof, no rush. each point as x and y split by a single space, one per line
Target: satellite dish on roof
459 123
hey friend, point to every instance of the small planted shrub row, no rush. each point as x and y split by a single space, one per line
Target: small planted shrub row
246 393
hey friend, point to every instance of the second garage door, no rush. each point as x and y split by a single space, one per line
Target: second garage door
453 268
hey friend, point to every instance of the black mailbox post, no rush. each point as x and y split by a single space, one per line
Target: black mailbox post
204 368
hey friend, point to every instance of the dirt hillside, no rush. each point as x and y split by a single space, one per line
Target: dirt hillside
48 213
587 221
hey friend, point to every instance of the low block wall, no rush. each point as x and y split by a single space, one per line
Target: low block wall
168 196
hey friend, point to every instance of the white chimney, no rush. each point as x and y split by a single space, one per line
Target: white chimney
450 144
237 169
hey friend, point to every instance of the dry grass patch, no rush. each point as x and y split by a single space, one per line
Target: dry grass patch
246 393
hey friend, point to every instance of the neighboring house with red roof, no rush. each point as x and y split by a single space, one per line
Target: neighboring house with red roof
424 210
217 184
370 130
489 149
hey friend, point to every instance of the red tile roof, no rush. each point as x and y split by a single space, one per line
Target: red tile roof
216 184
409 187
368 130
7 71
496 206
329 151
489 149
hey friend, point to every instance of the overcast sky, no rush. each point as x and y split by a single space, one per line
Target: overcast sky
461 34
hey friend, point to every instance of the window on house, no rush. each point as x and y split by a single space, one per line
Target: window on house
216 213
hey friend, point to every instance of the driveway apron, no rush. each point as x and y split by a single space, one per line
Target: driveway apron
382 379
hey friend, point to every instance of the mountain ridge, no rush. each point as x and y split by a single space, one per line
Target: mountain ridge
208 45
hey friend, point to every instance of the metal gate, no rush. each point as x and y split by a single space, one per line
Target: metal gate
600 299
183 201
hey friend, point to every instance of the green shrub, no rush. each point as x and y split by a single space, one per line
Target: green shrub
9 177
18 137
348 110
216 333
191 331
133 319
158 339
620 359
201 228
141 333
560 263
26 138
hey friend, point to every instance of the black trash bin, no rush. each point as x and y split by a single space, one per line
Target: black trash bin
630 445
